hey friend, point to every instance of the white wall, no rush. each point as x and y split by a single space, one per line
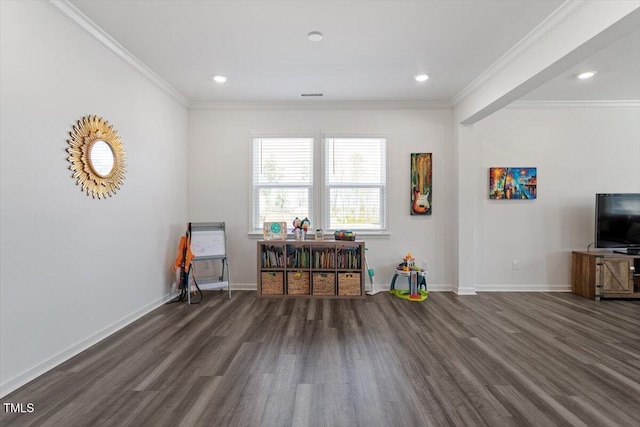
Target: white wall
220 179
578 152
74 269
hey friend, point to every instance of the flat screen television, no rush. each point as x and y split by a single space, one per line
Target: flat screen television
618 222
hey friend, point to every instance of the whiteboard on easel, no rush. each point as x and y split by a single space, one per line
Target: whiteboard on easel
208 243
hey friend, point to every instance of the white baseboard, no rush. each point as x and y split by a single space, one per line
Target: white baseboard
223 285
465 290
367 286
432 287
440 288
244 287
213 285
41 368
523 288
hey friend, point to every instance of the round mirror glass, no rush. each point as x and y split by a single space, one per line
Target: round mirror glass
102 158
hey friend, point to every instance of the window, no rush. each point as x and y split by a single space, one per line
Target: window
355 189
351 184
282 179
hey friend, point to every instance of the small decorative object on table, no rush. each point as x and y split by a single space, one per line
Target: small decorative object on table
300 228
274 231
344 235
319 234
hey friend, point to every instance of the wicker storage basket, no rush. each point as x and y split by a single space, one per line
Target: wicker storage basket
272 283
349 284
298 283
324 283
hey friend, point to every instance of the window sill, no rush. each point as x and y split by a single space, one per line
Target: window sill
359 235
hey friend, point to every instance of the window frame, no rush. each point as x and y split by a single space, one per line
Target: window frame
326 208
255 188
319 209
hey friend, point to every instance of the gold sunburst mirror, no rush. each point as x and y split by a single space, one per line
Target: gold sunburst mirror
97 157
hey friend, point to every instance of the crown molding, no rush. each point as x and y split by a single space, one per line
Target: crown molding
540 32
575 104
90 28
322 105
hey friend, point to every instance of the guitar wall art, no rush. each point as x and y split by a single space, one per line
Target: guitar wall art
421 189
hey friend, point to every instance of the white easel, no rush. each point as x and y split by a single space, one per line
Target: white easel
208 242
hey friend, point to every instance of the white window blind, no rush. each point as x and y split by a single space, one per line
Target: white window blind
355 183
282 179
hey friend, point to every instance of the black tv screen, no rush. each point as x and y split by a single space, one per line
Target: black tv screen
618 221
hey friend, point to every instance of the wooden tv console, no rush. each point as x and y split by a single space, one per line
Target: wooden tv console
600 274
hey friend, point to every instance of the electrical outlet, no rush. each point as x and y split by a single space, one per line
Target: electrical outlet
515 264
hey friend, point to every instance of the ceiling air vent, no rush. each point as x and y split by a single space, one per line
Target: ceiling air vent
310 94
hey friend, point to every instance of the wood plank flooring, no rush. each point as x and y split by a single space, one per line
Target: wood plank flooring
496 359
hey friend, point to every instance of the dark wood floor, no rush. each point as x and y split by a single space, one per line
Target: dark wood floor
496 359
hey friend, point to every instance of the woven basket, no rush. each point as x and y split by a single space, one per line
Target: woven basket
272 283
297 283
324 283
349 284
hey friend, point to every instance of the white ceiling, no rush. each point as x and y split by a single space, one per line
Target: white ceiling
370 52
617 78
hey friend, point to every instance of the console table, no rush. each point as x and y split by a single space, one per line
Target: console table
600 274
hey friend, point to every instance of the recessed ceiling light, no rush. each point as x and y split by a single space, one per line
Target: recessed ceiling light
315 36
219 79
586 75
422 78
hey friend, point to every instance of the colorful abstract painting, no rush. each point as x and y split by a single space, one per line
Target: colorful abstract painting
513 183
421 183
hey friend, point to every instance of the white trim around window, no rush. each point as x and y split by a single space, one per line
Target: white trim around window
338 181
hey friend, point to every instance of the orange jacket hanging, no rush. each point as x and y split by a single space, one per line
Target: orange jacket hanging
184 256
